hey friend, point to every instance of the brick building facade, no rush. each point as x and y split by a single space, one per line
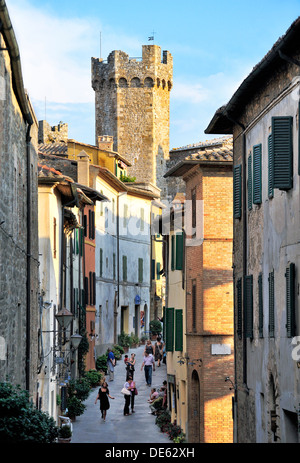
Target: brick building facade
209 290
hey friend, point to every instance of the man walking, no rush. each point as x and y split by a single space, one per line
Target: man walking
111 364
147 364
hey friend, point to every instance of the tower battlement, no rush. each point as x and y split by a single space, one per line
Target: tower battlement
119 71
132 105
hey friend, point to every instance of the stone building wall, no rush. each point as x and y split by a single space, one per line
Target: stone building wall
56 133
132 98
14 360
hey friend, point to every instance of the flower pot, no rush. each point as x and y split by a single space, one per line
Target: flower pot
64 440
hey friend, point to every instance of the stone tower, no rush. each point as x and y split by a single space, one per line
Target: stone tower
132 98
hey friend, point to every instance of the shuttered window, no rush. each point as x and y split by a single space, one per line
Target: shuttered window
141 269
271 306
271 168
124 268
179 330
282 147
194 306
179 251
101 262
169 329
239 307
237 192
173 252
260 306
257 174
290 300
250 183
158 270
248 305
153 269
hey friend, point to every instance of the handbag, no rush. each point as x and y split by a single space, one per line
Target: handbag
135 391
125 391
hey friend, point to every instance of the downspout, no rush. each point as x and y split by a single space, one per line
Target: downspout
28 280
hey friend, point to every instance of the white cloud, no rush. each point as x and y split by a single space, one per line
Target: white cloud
56 52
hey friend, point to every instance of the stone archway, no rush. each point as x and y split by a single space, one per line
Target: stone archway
194 409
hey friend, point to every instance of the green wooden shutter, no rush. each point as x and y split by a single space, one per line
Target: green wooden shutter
239 307
124 268
173 252
158 270
290 300
257 174
260 306
140 270
179 252
248 305
271 306
249 183
282 145
169 329
153 269
101 262
179 330
271 168
237 192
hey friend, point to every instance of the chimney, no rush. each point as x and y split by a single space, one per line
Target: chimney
105 142
83 166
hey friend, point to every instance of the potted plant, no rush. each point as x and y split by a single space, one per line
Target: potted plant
155 328
75 407
134 340
124 341
64 435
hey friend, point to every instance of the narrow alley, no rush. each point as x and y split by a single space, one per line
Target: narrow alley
139 427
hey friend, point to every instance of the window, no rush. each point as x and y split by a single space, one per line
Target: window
194 306
114 266
271 170
194 211
237 191
141 268
91 224
101 262
239 307
158 270
125 215
260 306
153 269
282 150
249 306
169 329
290 300
257 174
179 330
124 268
250 183
179 251
271 306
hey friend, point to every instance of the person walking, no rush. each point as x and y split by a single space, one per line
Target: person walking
133 390
130 367
148 364
111 361
127 385
149 347
158 351
103 395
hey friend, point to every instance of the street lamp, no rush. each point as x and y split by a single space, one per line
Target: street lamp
75 340
64 318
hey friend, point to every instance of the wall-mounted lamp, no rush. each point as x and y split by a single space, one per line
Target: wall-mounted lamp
64 318
75 340
233 386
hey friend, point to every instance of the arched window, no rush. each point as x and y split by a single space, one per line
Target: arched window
123 83
163 84
148 82
135 82
169 85
158 82
112 83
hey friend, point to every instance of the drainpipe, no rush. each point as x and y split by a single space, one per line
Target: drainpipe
28 280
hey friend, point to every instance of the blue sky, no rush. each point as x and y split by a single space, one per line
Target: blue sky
214 46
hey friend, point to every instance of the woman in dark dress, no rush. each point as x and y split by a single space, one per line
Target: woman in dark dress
103 395
158 351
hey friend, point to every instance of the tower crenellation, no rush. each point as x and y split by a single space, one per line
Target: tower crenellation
132 98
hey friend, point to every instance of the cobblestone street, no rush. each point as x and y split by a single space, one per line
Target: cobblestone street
139 427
